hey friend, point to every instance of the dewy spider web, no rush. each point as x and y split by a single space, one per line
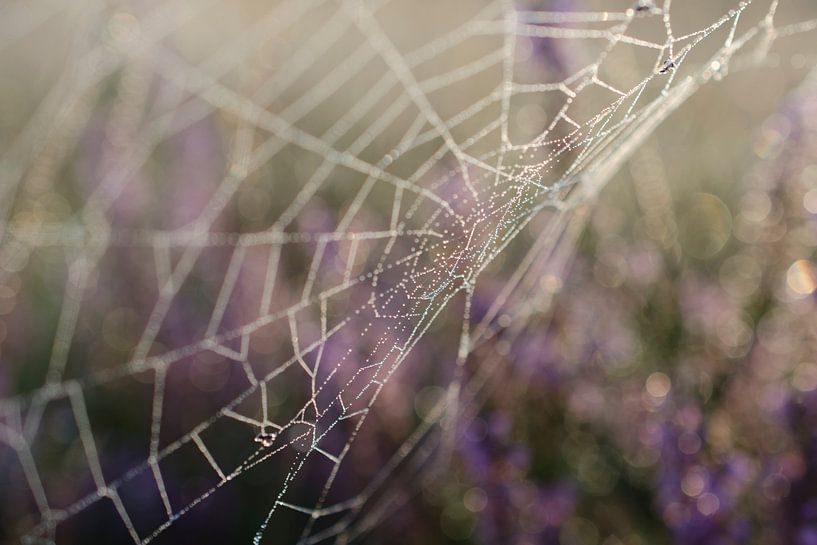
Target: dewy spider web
374 176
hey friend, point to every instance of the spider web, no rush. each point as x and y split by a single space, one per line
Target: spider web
374 180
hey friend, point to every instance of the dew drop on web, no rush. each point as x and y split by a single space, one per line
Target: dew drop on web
265 438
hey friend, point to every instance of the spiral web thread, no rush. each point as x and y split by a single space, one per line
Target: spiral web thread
460 187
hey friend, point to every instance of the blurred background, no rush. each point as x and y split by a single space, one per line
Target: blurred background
408 272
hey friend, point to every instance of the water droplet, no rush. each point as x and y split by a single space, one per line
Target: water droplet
265 438
667 67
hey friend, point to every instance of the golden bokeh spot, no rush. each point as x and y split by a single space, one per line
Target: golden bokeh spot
801 277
